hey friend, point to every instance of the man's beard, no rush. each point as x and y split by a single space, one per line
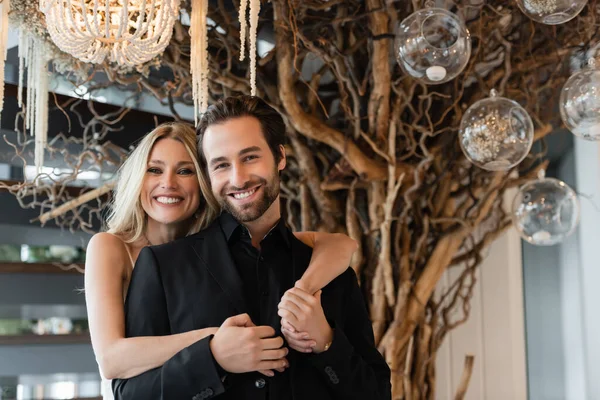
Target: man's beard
251 211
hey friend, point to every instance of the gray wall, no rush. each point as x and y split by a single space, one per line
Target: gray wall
543 322
16 289
47 359
561 295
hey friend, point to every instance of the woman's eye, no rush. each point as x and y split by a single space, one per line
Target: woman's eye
154 170
186 171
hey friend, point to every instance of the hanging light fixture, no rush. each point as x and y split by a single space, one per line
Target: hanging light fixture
127 32
432 45
551 12
496 133
580 102
545 211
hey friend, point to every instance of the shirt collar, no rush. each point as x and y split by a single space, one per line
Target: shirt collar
229 225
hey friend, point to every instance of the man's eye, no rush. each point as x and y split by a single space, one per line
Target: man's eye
220 166
250 158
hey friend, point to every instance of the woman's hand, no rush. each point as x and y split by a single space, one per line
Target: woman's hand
299 341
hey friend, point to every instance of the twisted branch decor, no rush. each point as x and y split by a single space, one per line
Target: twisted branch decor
54 191
372 152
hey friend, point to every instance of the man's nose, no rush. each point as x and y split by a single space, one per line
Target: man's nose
239 176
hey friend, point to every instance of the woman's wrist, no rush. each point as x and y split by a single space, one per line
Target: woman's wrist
304 284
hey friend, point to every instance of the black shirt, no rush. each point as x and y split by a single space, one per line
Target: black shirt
266 274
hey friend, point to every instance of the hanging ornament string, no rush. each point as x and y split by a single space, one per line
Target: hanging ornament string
254 11
4 8
199 56
243 27
32 55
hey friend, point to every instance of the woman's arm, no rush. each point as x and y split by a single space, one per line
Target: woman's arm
331 257
119 357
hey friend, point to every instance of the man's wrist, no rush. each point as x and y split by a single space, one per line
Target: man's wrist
220 370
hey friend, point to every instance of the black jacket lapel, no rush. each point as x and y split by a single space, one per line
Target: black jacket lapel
213 252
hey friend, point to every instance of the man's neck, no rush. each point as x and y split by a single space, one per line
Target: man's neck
260 227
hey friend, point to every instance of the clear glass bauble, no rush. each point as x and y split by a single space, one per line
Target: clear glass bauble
496 133
580 103
551 12
545 211
432 45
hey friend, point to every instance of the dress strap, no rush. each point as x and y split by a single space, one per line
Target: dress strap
129 254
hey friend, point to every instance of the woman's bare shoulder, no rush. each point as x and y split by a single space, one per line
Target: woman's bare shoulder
106 248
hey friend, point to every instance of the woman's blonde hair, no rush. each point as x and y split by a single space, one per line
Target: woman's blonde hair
127 218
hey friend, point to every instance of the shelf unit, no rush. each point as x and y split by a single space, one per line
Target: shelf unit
36 268
74 338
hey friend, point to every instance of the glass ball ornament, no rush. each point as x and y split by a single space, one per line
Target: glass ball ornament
496 133
580 102
551 12
432 45
545 211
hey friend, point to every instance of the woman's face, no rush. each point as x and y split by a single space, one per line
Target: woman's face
170 192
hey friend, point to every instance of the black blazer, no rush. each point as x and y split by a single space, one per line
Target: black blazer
192 283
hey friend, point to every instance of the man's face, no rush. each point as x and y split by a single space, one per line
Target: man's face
243 174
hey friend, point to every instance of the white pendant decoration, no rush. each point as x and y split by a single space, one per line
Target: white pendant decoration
496 133
545 211
242 17
551 12
580 102
432 45
199 56
33 56
252 33
127 32
4 9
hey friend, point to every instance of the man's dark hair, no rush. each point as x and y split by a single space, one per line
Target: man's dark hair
271 122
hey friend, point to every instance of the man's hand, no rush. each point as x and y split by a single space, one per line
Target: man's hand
303 321
240 346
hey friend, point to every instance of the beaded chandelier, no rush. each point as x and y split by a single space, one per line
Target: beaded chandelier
128 32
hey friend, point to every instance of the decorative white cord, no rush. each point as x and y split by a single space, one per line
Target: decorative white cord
4 8
254 11
199 56
33 56
243 27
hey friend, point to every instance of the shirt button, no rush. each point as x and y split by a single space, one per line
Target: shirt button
260 383
261 258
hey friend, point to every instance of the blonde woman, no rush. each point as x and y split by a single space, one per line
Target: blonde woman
162 196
